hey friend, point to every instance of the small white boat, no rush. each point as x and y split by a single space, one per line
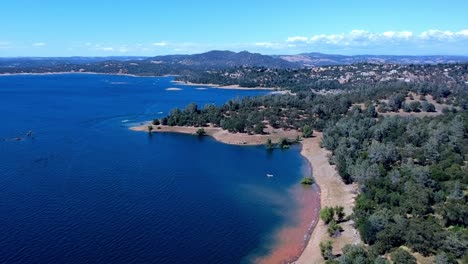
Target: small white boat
125 121
269 175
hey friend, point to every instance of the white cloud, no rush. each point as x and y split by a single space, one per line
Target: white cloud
105 48
397 34
435 34
4 45
359 37
463 33
297 39
39 44
160 44
266 44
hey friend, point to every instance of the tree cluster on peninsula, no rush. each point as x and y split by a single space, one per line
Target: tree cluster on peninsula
411 170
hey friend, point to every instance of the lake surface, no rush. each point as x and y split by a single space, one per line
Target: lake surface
86 189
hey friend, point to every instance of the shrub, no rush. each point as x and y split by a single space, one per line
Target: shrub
307 131
284 143
339 211
326 214
269 144
258 129
201 132
333 228
402 256
326 249
307 181
428 107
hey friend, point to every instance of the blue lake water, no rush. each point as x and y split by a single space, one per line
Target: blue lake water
86 189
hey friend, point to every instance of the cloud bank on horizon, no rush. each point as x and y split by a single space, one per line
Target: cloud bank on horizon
432 41
363 37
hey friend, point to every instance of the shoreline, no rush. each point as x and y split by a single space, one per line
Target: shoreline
333 192
227 87
222 135
78 72
331 189
210 85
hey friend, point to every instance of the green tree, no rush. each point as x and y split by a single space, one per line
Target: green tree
192 109
150 129
284 143
371 112
269 144
156 122
201 132
307 131
334 228
339 211
427 107
307 181
443 258
258 129
402 256
327 214
415 106
355 254
326 249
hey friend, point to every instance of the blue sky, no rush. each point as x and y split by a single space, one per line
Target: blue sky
144 27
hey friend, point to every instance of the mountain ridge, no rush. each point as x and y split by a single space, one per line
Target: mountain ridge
218 59
321 59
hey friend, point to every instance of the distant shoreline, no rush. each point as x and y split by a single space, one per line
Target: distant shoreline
332 190
211 85
75 72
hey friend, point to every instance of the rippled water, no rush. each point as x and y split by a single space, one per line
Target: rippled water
85 189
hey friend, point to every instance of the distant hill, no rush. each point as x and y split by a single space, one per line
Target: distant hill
226 59
320 59
212 60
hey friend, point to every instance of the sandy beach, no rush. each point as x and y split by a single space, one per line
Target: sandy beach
333 192
225 136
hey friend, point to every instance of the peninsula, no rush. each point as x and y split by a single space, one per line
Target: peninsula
373 132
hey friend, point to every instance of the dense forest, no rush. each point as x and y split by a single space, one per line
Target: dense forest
333 77
306 107
413 178
412 172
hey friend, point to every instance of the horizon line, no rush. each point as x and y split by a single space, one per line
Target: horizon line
221 50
